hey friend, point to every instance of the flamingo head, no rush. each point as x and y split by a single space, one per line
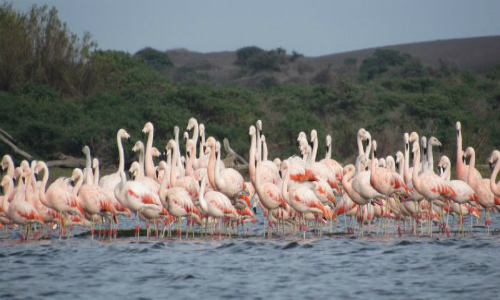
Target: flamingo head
95 163
201 128
162 166
435 142
443 164
191 124
77 173
277 162
413 137
6 161
263 139
155 152
170 145
86 150
314 135
416 147
189 148
469 152
302 135
210 144
24 164
494 157
134 169
328 140
458 127
251 131
176 131
217 147
399 158
382 162
423 141
364 135
390 163
148 128
122 133
349 168
39 166
139 145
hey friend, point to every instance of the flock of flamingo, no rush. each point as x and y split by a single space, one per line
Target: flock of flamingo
295 194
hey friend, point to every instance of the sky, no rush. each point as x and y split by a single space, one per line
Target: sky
312 28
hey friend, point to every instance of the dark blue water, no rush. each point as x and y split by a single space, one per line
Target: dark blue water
374 267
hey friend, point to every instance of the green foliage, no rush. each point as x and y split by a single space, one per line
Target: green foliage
157 59
256 59
381 62
38 47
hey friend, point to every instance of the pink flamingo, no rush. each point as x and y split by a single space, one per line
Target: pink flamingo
495 159
149 166
428 184
176 200
486 198
20 210
300 197
109 182
269 194
216 204
321 170
335 166
189 183
462 168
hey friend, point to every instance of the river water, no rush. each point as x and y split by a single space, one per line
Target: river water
253 267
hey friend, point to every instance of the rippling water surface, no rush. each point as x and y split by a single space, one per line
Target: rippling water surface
384 267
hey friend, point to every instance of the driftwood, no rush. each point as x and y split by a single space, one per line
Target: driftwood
11 142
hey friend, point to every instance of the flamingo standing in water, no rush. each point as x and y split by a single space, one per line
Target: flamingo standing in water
109 182
300 197
428 184
461 168
464 193
486 198
269 194
495 159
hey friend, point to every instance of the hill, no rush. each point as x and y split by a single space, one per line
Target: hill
477 55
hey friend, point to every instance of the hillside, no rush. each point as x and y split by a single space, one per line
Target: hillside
476 55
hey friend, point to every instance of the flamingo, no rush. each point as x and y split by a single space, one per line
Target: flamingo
461 168
188 183
428 184
321 170
464 193
486 198
216 204
20 210
93 199
109 182
269 194
300 197
495 159
148 157
331 163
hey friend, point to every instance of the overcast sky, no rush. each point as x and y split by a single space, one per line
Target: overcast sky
309 27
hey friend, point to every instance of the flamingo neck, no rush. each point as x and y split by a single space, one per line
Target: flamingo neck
494 186
141 159
78 185
259 144
430 158
211 168
8 192
406 171
314 150
96 175
284 186
471 178
28 196
251 158
447 173
368 147
148 159
173 168
219 181
45 178
121 163
460 153
264 151
416 169
202 143
10 168
163 184
361 151
88 169
201 194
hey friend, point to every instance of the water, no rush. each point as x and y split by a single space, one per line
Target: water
374 267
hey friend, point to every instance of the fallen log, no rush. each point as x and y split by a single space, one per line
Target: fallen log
7 138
